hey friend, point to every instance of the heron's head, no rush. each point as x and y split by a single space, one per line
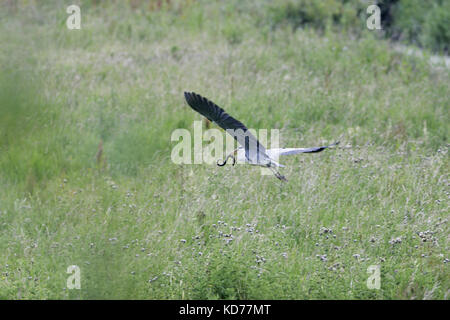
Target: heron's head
232 155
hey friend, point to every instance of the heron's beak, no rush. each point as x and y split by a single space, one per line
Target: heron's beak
223 162
232 155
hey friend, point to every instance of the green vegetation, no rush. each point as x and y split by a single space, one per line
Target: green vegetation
86 178
419 22
425 23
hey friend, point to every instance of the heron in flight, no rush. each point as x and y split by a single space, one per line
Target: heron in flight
250 151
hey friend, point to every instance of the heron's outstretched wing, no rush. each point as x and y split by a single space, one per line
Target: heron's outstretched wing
289 151
212 111
234 127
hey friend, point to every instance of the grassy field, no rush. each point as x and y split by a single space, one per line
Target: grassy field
86 177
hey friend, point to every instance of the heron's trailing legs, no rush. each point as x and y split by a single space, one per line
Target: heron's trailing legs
277 174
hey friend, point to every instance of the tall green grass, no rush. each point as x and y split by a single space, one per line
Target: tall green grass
86 177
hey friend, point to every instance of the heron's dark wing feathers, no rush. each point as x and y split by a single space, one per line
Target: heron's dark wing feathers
318 149
213 112
216 114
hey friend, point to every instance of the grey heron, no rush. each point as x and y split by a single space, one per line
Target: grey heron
251 151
